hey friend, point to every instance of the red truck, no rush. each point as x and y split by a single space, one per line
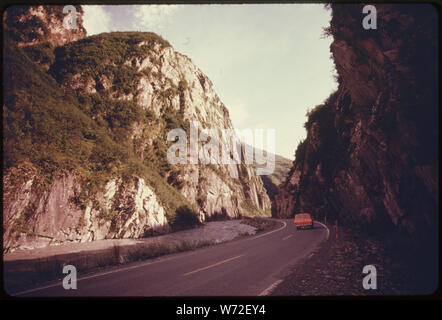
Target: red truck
303 220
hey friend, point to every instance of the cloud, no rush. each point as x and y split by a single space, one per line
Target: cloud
96 19
153 17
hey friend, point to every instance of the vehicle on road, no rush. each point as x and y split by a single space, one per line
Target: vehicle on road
303 220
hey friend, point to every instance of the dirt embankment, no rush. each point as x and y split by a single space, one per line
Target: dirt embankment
336 268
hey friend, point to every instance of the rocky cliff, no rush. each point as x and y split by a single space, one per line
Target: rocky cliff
370 158
85 137
32 25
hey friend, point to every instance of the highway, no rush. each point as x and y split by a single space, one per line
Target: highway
250 266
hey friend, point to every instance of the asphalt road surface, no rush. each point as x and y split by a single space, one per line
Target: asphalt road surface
247 267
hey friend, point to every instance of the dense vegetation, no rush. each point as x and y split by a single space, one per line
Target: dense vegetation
57 131
32 29
105 54
329 151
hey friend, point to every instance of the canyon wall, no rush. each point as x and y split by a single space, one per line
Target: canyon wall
85 141
370 159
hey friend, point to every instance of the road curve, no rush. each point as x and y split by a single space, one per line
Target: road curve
246 267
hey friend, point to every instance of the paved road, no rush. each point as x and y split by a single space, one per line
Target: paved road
246 267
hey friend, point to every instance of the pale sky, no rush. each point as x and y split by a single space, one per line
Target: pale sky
268 62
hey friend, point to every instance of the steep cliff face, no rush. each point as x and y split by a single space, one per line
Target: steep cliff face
36 218
36 25
86 145
174 93
370 158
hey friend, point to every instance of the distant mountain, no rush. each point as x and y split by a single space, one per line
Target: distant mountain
85 136
272 181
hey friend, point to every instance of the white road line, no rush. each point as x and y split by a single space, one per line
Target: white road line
266 234
288 237
272 287
269 289
94 276
212 265
129 268
325 227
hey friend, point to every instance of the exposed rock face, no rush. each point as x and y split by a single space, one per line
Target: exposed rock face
134 93
32 25
53 217
170 84
370 157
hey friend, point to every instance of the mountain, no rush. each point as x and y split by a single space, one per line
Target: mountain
370 159
272 181
41 27
85 142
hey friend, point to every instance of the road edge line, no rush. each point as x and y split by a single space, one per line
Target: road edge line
325 227
273 286
270 288
267 233
90 276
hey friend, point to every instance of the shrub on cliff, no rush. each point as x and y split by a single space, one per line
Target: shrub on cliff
99 54
185 217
